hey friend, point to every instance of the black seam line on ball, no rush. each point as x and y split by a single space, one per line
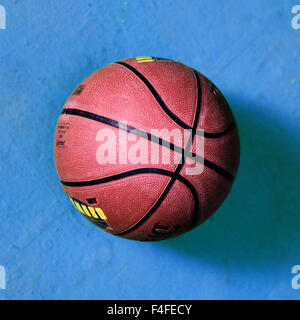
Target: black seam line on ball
220 134
177 171
122 175
146 135
137 172
155 94
118 176
129 129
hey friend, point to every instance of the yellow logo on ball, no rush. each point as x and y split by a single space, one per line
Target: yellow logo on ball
143 59
95 215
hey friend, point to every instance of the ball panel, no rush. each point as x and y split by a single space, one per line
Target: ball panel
116 93
216 114
123 201
79 159
211 189
174 82
173 217
223 151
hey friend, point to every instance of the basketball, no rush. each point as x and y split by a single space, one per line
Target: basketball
146 148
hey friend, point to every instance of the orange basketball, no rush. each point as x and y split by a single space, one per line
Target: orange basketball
146 148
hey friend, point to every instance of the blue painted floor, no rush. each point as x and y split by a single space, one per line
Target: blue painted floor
247 249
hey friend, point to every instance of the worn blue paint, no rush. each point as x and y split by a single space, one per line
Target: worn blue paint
247 249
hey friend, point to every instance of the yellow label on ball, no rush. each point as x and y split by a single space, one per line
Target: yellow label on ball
143 59
96 215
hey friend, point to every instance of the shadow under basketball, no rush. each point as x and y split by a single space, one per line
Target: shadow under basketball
259 220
